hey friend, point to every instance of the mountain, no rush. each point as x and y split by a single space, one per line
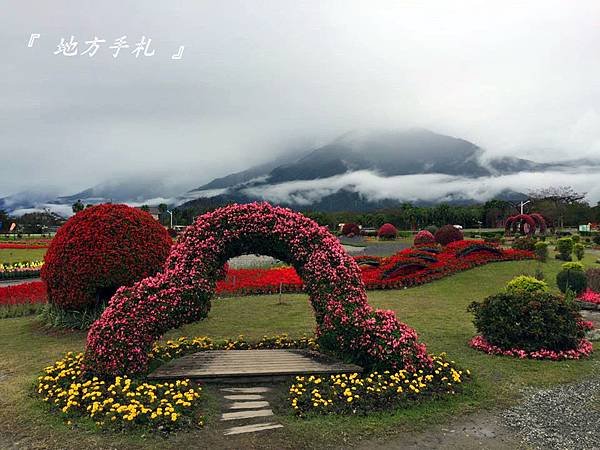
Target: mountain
358 171
386 153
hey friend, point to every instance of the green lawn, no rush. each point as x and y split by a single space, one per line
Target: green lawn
20 255
436 310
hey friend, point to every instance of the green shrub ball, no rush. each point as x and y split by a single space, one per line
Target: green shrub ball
571 280
530 321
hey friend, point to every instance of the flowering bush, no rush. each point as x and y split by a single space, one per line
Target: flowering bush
448 234
98 250
137 316
535 323
387 231
25 269
360 394
350 229
424 237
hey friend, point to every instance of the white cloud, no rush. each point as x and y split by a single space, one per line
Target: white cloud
426 187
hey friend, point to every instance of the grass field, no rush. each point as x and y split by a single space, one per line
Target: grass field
436 310
20 255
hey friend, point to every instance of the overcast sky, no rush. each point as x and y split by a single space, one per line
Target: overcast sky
258 78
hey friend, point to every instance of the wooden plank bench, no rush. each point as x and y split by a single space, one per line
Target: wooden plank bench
255 365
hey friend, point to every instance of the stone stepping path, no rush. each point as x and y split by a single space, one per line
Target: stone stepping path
248 404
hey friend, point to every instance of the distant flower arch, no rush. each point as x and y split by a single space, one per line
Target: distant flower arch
526 224
119 341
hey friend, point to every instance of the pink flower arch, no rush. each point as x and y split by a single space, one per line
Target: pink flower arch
119 341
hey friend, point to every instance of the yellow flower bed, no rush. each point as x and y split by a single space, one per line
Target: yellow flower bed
123 402
25 265
359 394
184 345
119 403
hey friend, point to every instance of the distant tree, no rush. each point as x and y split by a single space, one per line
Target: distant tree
162 209
4 220
553 202
496 211
78 206
38 222
145 208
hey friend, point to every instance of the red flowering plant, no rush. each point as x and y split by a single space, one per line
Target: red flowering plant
23 294
350 229
25 244
448 234
424 237
100 249
387 231
347 325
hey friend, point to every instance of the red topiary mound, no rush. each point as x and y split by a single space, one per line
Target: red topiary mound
100 249
447 234
424 237
387 231
350 229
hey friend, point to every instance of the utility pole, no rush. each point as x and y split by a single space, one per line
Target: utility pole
171 219
523 204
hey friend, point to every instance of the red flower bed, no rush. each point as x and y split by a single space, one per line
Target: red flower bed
19 246
23 293
584 349
409 267
589 296
270 281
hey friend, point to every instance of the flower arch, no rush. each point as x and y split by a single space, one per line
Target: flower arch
533 221
119 341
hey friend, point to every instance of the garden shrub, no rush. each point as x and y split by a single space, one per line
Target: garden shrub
524 243
576 238
529 321
573 266
571 279
579 251
387 231
424 237
565 248
100 249
448 234
350 229
593 279
596 239
541 251
526 284
432 229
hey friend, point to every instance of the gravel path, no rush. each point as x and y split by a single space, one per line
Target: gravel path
563 417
